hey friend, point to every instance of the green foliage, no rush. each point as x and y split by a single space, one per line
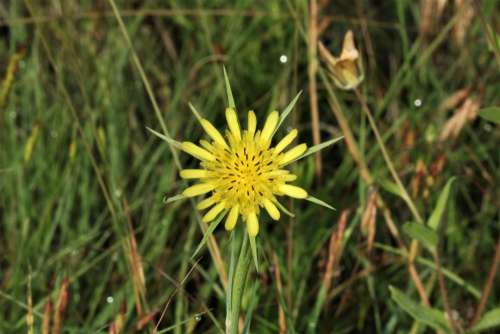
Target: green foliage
429 316
425 235
491 114
87 169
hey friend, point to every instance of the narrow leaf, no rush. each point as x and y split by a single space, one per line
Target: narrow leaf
211 228
427 315
173 198
391 187
437 214
287 110
491 114
230 98
427 236
169 140
319 147
253 246
320 202
489 320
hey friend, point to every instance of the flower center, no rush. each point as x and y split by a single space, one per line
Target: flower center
244 174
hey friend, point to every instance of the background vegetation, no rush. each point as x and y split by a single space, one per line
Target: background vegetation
87 244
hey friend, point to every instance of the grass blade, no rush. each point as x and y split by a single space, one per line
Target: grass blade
427 315
489 320
427 236
437 214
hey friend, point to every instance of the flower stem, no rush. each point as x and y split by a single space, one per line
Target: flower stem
237 281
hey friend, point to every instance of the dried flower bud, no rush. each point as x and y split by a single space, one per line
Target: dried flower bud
347 70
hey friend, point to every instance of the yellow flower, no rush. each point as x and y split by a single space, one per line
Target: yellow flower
240 173
347 70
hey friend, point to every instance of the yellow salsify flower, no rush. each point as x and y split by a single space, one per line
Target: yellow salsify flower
241 172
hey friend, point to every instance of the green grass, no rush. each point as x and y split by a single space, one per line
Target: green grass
96 176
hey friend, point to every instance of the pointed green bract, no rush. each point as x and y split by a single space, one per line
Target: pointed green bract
253 246
195 112
319 147
211 228
437 214
229 92
285 210
319 202
169 140
174 198
287 111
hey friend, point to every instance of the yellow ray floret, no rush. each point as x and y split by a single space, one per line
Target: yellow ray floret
197 151
213 133
198 189
271 209
293 154
194 173
285 141
269 126
252 224
213 212
252 123
232 218
293 191
240 172
232 122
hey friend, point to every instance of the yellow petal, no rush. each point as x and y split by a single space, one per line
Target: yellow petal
207 146
213 132
197 151
293 154
292 191
198 189
276 173
285 141
252 224
289 177
271 209
194 173
232 218
269 126
252 123
232 122
213 212
207 202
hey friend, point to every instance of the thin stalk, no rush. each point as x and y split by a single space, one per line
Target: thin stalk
387 158
444 293
312 70
238 279
488 285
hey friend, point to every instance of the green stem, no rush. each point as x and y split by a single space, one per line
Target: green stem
238 279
